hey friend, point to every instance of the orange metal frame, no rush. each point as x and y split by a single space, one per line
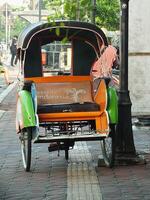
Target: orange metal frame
59 79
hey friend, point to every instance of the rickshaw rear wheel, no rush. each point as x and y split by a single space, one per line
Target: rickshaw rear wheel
26 146
108 147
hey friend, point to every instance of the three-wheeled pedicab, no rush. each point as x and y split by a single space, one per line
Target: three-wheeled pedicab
59 103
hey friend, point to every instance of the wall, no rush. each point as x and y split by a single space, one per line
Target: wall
139 56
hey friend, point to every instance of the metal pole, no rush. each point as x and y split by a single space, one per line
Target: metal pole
6 24
78 11
93 11
40 10
62 9
9 28
125 142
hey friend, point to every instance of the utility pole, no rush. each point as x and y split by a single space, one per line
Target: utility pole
93 11
6 24
125 143
32 4
78 10
40 7
62 7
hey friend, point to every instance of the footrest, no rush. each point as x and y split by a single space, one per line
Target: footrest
76 137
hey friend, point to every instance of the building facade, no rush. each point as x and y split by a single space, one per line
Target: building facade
139 56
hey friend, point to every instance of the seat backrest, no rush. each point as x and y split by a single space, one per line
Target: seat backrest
64 89
62 93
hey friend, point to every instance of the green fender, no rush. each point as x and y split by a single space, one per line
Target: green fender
112 106
25 110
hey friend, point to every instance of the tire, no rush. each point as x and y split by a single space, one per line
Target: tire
26 146
108 147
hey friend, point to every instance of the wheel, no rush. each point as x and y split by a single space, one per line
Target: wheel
26 145
108 147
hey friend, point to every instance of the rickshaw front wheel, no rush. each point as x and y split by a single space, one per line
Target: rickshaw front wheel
108 147
26 145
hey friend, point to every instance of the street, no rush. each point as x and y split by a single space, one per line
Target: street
52 177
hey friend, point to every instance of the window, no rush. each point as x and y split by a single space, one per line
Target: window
56 58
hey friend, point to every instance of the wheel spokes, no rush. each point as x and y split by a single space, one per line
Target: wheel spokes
108 146
24 148
25 139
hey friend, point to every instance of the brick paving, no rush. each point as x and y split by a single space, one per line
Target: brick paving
82 179
43 182
52 177
128 182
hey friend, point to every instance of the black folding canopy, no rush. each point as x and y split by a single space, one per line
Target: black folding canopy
84 36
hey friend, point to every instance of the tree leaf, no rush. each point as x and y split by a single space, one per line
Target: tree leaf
57 31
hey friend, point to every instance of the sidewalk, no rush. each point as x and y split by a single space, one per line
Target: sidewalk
12 76
52 177
4 87
80 178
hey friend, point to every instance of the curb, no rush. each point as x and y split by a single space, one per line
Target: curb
7 91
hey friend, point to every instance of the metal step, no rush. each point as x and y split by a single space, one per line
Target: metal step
74 137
